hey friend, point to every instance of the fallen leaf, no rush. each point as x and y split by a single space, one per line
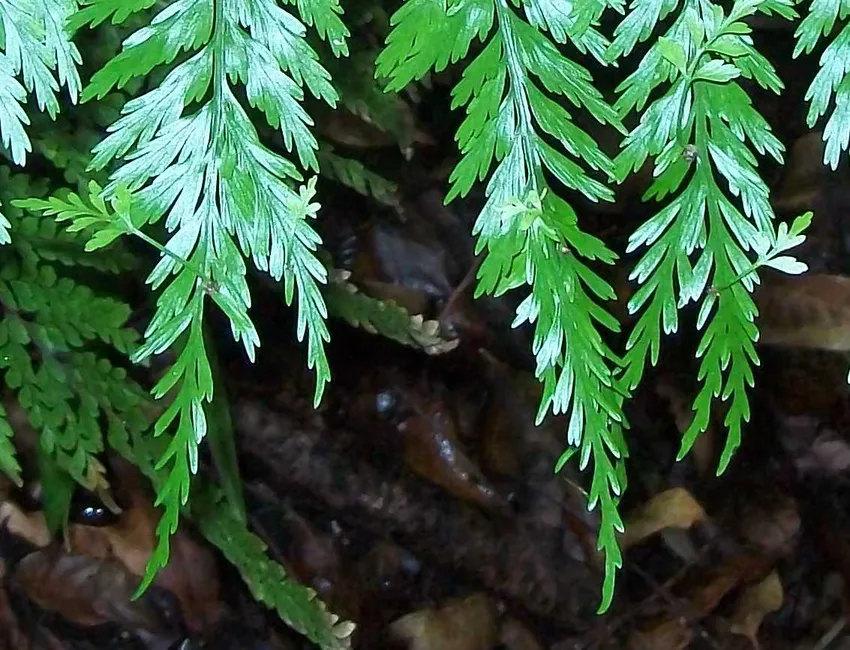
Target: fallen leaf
89 592
804 174
674 508
468 624
770 522
754 604
432 450
700 597
808 311
192 573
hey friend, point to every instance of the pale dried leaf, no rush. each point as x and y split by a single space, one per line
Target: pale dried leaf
468 624
754 604
674 508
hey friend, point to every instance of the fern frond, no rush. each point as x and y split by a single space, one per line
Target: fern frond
355 175
298 606
703 135
52 336
220 192
384 317
37 50
832 81
531 236
9 464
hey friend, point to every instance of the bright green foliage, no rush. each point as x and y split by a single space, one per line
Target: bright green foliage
36 52
832 79
701 134
531 236
384 317
53 335
193 158
297 606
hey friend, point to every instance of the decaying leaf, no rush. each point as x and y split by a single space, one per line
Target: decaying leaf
468 624
674 508
804 176
89 592
754 603
769 522
192 575
432 450
675 630
807 311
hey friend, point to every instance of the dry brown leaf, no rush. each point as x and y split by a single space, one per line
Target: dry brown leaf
192 573
754 604
675 632
88 592
468 624
711 589
432 450
674 508
805 174
770 523
807 311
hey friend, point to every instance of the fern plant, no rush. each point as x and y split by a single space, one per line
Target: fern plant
190 100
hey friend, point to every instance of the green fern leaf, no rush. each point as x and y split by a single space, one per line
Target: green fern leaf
298 606
9 464
221 193
385 318
35 45
355 175
702 134
531 236
832 82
